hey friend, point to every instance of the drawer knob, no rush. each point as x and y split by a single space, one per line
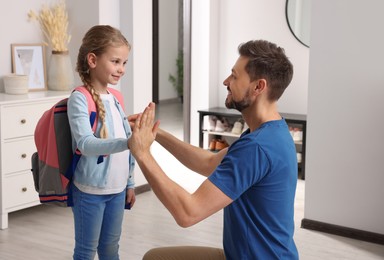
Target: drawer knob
23 121
24 189
24 155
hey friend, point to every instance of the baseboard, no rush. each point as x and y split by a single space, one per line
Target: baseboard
142 188
343 231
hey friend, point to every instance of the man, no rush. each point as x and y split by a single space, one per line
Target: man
254 180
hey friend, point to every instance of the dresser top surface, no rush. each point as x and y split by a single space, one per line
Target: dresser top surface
33 96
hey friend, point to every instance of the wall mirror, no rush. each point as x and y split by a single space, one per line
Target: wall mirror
298 14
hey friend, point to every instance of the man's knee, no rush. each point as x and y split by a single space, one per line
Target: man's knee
155 253
185 253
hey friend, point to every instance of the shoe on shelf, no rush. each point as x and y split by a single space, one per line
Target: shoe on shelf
299 157
297 135
221 144
237 128
212 145
222 125
212 123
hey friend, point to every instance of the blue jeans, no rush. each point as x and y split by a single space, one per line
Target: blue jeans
98 222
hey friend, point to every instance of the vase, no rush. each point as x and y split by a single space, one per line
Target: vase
60 71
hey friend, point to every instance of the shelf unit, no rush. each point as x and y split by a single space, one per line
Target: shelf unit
293 120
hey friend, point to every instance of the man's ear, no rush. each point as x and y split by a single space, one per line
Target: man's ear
260 86
91 59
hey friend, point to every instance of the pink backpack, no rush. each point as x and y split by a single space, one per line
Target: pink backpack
54 162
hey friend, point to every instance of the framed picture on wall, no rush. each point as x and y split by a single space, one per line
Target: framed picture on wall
29 59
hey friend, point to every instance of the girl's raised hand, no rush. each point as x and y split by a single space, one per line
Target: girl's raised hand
144 131
132 120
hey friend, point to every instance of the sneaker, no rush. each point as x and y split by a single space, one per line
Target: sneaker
221 144
222 125
212 145
297 135
212 123
299 157
237 128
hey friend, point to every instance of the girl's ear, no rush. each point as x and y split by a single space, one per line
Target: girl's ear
91 59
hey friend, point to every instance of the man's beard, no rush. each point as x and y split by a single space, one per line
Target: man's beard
239 105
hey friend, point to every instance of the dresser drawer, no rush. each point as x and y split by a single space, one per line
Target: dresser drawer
17 154
19 189
21 120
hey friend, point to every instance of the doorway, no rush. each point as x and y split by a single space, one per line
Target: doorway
160 95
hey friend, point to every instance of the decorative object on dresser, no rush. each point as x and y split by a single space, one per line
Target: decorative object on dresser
53 22
16 84
18 118
60 71
29 59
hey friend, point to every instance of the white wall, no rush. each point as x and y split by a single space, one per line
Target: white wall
15 28
218 34
109 12
344 174
245 20
136 85
79 24
200 63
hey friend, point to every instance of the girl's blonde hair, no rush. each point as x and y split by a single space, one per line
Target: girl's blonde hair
96 41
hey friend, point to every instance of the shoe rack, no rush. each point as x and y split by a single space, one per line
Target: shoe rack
221 131
208 135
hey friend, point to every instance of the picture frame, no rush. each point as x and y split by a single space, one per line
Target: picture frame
29 59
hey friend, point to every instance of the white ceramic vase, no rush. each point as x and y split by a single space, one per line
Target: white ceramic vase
60 71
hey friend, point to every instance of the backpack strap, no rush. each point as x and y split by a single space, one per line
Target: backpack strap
93 118
91 106
117 95
77 154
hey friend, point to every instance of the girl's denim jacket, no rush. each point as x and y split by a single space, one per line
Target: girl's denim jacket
89 171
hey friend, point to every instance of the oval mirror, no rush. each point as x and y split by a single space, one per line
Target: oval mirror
298 14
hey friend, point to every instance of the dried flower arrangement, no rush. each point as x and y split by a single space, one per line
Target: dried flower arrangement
53 22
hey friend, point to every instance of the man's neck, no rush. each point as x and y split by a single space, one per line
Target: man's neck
257 115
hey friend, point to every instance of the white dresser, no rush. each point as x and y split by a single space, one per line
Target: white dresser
18 117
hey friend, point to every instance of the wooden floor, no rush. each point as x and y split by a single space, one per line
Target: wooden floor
46 232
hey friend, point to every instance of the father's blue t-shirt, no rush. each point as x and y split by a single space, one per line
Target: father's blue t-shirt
259 173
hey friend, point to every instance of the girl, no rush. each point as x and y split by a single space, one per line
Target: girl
103 182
